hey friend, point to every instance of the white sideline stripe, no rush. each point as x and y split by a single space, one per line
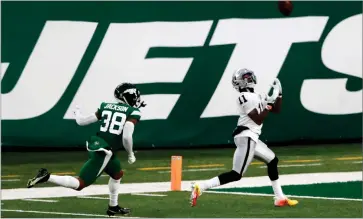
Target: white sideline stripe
292 196
60 213
195 170
360 161
39 200
146 194
92 197
127 188
10 180
297 179
295 165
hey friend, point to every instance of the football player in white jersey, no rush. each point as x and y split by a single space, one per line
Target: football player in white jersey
253 109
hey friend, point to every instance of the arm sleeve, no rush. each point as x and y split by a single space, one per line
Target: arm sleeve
99 111
85 120
127 136
136 114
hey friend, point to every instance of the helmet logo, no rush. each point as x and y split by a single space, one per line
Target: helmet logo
130 91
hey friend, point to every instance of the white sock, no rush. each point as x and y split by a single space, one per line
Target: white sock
277 189
65 181
211 183
113 186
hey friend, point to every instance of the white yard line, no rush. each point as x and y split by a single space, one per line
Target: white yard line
39 200
195 170
296 165
10 180
92 197
146 194
59 213
360 161
290 196
127 188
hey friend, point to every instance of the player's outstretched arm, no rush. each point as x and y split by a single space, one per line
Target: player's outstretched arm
258 118
276 108
127 139
85 120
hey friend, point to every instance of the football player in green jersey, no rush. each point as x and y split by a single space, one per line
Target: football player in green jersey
116 129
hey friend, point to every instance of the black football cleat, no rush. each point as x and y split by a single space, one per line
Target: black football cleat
41 177
117 210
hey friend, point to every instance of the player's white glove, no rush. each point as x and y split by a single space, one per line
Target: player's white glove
276 85
277 82
132 158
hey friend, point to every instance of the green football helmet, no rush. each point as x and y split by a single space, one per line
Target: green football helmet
128 93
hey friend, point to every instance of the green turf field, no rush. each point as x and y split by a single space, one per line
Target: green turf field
328 199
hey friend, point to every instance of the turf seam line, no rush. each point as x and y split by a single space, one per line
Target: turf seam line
296 165
148 194
92 197
39 200
10 180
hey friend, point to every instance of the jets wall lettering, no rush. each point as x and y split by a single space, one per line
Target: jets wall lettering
183 69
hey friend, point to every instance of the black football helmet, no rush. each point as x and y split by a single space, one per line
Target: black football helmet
129 94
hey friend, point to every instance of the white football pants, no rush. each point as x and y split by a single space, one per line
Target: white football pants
247 149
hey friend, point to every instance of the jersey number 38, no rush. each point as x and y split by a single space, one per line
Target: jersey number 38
113 122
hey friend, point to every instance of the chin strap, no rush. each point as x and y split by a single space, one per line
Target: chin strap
142 104
247 89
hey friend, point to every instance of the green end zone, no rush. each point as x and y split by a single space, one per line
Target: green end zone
351 189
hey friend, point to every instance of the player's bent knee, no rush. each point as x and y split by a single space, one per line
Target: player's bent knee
118 175
274 161
272 171
228 177
236 176
82 184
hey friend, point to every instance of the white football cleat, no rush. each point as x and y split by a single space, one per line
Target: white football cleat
196 192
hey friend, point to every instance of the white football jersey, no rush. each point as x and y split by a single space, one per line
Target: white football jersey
247 102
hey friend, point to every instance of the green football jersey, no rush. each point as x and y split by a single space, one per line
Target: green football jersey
114 116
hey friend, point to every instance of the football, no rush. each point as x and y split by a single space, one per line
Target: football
285 7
